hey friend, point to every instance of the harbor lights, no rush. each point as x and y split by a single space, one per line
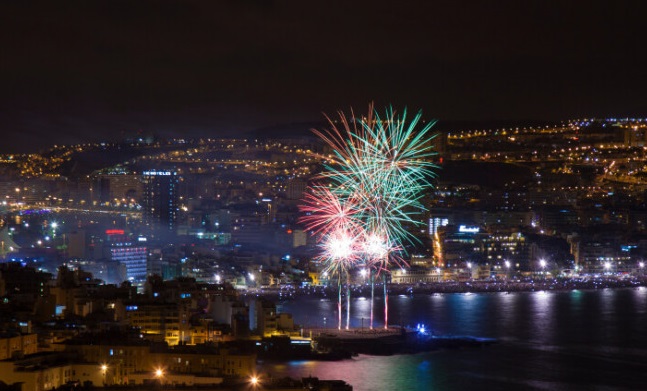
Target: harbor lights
542 264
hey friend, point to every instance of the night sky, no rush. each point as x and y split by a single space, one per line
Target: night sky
75 71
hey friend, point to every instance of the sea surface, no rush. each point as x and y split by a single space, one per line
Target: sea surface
566 340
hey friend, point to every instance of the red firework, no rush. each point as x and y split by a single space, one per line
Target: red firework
324 212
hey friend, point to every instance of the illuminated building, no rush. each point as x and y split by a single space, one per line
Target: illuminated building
127 252
18 345
436 222
634 136
120 360
160 201
500 247
416 276
469 244
267 321
166 322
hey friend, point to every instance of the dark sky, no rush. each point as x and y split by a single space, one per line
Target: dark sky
86 70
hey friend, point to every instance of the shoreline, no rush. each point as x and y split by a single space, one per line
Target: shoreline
474 286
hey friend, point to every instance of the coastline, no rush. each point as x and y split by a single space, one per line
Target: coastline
447 287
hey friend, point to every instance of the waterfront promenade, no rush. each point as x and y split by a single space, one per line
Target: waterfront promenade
472 286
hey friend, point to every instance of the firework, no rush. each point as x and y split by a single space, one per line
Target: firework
378 172
384 164
339 254
334 219
339 251
326 212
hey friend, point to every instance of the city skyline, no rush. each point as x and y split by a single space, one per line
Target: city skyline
193 195
84 72
532 235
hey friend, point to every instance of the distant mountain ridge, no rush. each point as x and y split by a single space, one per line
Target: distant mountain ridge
304 129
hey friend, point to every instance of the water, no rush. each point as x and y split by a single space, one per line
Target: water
572 340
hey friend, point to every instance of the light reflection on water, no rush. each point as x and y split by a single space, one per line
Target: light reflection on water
506 309
548 340
541 314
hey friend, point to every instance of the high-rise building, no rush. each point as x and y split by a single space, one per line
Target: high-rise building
160 201
130 253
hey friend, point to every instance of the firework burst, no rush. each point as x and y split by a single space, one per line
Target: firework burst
340 254
325 212
339 251
379 169
384 163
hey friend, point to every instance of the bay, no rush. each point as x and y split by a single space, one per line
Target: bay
565 340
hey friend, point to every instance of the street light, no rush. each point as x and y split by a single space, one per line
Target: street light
507 267
159 374
54 225
542 264
104 370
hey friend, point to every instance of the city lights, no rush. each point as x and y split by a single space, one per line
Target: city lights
177 214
